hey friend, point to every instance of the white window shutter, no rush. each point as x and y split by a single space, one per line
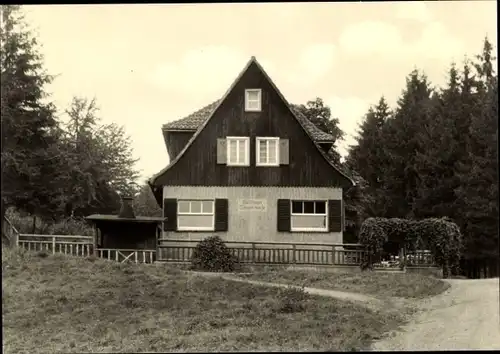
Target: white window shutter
284 152
221 151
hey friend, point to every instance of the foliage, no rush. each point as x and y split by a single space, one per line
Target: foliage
69 226
436 156
100 161
29 126
145 203
367 158
292 299
441 236
321 116
212 255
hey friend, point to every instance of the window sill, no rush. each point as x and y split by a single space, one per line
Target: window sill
267 165
246 165
309 230
200 229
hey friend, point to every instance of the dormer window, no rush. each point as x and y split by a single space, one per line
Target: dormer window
253 100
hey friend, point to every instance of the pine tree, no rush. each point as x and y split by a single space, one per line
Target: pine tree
29 127
479 173
401 142
441 149
367 156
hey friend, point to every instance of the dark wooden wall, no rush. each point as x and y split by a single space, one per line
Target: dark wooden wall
175 142
127 236
198 165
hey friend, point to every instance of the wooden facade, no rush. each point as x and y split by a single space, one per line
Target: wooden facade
176 141
198 165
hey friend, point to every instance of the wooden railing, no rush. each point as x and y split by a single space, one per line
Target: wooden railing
423 258
171 250
130 255
70 245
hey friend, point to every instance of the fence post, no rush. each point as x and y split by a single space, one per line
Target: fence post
333 254
253 252
53 244
294 259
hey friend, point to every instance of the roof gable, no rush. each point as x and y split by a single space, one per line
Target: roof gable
198 120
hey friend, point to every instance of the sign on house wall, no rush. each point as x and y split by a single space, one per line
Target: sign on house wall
252 205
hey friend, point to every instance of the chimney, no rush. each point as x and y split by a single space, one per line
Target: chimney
127 211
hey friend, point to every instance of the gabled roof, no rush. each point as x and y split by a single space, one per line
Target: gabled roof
309 128
195 120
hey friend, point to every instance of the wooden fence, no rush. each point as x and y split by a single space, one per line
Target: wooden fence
171 250
82 246
70 245
130 255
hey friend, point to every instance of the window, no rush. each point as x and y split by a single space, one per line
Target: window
195 215
267 151
238 151
309 216
253 101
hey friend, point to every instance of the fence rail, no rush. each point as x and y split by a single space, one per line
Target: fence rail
70 245
130 255
270 252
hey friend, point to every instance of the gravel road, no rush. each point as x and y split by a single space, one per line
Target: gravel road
466 316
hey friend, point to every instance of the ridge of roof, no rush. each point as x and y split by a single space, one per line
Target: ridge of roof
299 117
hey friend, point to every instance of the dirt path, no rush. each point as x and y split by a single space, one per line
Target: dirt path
464 317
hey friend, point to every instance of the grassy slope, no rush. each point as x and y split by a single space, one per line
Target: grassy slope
68 304
378 284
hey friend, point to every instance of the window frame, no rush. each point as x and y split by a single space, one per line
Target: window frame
238 139
257 150
309 229
196 228
247 100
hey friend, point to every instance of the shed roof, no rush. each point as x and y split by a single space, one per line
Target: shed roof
116 218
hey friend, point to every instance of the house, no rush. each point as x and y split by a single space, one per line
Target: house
250 167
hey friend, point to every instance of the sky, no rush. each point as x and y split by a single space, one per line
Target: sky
149 64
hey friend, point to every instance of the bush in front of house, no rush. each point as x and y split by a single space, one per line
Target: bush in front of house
212 255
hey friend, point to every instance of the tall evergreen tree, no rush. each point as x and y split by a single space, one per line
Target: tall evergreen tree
400 138
479 173
29 127
367 156
441 149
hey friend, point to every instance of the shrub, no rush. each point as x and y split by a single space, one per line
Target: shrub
212 255
71 226
292 299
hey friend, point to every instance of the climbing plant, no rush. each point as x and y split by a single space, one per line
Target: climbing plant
441 236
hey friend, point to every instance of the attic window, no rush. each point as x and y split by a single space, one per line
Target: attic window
253 100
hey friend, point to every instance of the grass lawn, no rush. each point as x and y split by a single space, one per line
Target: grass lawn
61 304
377 284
